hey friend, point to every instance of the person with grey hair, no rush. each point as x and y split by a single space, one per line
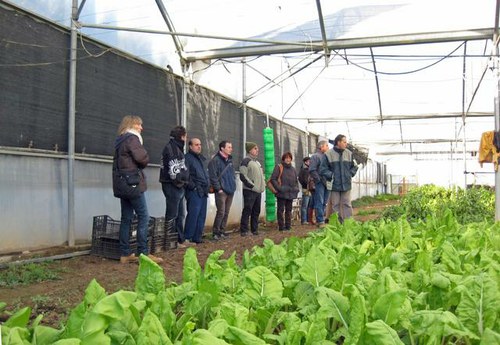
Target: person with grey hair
340 167
321 192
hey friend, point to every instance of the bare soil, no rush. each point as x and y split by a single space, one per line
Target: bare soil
55 299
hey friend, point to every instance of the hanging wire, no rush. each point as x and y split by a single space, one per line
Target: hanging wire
309 85
406 72
89 53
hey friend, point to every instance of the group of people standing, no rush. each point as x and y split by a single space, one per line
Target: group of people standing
191 177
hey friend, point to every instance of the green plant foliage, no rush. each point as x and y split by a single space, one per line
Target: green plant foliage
369 200
25 274
386 282
467 206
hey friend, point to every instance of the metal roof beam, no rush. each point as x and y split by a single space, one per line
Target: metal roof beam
344 118
348 43
393 153
170 25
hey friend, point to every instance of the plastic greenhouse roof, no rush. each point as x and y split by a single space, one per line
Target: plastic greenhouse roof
398 77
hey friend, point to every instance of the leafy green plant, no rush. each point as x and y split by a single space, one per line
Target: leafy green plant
26 274
385 282
467 206
370 200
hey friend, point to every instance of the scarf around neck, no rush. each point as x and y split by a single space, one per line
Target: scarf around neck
136 133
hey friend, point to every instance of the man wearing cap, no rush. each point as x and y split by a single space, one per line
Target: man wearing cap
252 176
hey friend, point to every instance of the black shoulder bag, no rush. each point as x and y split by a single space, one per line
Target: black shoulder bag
125 183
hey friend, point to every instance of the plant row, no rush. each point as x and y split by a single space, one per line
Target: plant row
394 282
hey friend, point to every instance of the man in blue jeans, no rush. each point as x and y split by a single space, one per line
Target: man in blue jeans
321 192
196 192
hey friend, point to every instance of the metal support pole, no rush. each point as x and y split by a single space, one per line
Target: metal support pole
496 72
71 125
186 80
244 101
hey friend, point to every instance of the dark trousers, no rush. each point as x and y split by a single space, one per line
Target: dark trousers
196 216
284 206
251 210
128 207
223 203
174 198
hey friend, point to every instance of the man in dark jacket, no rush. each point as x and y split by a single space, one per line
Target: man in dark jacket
174 176
223 180
196 192
342 167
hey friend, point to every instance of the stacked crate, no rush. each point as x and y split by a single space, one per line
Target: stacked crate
106 230
163 238
105 236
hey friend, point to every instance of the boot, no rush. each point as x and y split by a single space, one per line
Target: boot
310 216
155 259
129 259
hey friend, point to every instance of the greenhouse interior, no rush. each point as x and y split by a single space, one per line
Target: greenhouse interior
413 85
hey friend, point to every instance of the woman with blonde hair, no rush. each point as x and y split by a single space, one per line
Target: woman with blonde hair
130 159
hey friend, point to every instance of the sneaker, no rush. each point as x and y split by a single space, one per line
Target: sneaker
182 245
216 238
155 258
304 223
223 235
129 259
321 225
244 233
255 233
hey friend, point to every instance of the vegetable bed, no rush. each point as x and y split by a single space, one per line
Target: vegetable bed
394 282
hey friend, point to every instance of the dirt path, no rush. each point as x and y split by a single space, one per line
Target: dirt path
56 298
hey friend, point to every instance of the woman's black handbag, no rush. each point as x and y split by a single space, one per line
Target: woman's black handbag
125 183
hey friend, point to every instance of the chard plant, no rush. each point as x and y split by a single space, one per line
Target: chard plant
389 282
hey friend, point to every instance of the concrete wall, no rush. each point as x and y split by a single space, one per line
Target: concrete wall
34 201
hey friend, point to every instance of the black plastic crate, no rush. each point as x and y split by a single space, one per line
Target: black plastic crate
161 239
110 248
105 236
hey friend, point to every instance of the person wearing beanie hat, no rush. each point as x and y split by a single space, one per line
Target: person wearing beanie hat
249 145
252 176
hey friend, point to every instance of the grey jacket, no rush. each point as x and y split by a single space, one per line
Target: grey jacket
251 175
339 167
